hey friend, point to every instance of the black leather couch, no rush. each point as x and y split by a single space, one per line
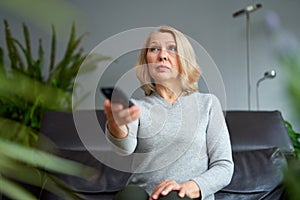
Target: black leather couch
260 144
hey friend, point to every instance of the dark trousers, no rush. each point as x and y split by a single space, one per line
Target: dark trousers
132 192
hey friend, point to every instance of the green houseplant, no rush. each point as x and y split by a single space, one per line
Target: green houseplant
25 95
292 173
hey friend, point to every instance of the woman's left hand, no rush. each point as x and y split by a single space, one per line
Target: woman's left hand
189 188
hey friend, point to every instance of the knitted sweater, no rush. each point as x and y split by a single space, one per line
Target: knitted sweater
186 140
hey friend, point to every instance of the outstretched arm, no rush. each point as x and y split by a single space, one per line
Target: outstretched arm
121 127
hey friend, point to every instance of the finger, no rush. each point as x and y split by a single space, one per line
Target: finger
182 192
135 114
134 111
108 111
111 108
157 190
115 107
161 189
128 115
123 113
170 187
115 115
107 106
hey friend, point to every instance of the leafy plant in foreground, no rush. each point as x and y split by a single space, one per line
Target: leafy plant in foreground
26 94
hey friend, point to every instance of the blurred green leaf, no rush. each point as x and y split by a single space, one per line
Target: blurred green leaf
31 166
295 139
13 53
14 191
1 57
44 160
291 181
15 131
18 84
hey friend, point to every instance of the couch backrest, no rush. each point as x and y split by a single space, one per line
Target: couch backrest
59 126
248 130
251 130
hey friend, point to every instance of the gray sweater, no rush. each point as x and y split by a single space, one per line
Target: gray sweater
186 140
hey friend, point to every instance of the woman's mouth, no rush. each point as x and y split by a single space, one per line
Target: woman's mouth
162 68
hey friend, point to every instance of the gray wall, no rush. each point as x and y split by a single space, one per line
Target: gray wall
210 23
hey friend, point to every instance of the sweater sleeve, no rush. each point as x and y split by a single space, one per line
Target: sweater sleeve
127 145
220 166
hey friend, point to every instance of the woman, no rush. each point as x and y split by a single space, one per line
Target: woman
180 133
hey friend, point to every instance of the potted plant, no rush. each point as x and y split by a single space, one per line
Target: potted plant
25 95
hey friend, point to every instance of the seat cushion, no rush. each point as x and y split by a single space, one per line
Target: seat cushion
257 175
101 187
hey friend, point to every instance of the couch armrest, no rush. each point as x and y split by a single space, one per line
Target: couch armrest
257 175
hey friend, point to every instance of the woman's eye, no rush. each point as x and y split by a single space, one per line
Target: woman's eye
153 49
172 48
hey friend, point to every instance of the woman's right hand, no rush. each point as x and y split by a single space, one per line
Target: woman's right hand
118 118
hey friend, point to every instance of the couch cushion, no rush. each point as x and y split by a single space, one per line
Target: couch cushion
257 175
109 179
59 128
251 130
101 187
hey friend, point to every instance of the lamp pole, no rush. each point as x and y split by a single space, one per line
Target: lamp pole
248 60
247 11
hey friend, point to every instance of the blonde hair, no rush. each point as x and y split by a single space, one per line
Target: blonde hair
189 70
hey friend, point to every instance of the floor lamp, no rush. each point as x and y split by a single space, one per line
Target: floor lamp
246 11
267 75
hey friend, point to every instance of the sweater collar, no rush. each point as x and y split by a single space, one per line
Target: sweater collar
165 103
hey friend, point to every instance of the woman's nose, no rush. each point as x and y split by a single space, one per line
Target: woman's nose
163 56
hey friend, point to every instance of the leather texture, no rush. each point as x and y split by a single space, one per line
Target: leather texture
259 142
251 130
59 127
257 175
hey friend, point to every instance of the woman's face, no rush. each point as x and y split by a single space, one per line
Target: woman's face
162 58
